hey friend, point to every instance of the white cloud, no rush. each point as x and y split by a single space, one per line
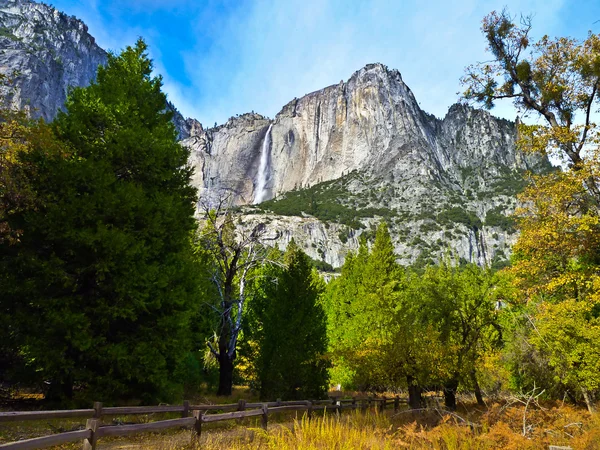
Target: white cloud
258 55
266 54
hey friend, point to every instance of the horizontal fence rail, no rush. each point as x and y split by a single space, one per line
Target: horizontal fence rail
95 429
49 441
36 415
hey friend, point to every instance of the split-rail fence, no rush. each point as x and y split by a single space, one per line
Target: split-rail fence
192 416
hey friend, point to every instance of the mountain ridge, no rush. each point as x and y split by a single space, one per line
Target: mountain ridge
362 146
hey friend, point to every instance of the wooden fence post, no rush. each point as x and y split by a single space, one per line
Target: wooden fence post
265 416
383 402
396 404
370 402
186 409
97 410
353 402
309 411
278 402
92 425
198 424
363 406
241 407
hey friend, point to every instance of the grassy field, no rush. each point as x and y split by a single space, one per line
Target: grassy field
500 426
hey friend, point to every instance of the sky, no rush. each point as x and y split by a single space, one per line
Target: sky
219 58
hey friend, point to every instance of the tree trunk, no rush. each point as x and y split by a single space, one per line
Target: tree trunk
60 391
414 393
450 394
225 360
571 397
589 401
477 389
225 374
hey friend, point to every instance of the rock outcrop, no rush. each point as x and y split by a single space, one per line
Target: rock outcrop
334 162
371 123
45 52
441 184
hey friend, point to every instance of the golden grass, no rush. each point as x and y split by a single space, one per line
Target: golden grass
498 427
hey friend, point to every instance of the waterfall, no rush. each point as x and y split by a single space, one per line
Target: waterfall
260 191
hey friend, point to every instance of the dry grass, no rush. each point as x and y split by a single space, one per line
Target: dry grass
501 426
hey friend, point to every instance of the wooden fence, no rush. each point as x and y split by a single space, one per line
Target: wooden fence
192 416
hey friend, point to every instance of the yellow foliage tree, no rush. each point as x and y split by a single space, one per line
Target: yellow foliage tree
557 257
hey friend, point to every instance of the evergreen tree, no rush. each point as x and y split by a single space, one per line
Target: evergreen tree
287 324
104 275
362 305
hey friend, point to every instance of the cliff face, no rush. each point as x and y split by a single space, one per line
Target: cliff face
341 159
329 166
47 51
371 123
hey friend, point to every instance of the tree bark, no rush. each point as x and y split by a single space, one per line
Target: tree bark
450 394
589 401
225 360
477 389
225 374
414 393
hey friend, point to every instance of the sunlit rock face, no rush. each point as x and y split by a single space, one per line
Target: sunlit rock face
45 52
444 181
442 185
371 123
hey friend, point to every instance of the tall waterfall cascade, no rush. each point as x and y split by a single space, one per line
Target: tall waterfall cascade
264 168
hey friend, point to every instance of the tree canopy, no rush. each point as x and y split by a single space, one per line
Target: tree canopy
103 281
555 263
287 326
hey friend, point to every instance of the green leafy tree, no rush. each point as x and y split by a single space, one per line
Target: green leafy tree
459 303
288 327
361 306
104 276
568 332
378 338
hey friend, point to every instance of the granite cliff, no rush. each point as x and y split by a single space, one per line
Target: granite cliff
361 151
45 52
329 165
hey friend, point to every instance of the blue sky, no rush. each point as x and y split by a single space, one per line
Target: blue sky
221 58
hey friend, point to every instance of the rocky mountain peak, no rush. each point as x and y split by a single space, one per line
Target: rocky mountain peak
49 51
330 165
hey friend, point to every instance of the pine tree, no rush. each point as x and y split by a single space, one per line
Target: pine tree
289 328
105 263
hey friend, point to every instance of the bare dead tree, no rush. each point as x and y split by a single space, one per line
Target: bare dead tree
235 250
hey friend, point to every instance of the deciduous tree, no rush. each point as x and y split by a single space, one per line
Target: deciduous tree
232 252
556 257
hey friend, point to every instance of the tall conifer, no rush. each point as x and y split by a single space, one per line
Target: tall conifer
106 263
